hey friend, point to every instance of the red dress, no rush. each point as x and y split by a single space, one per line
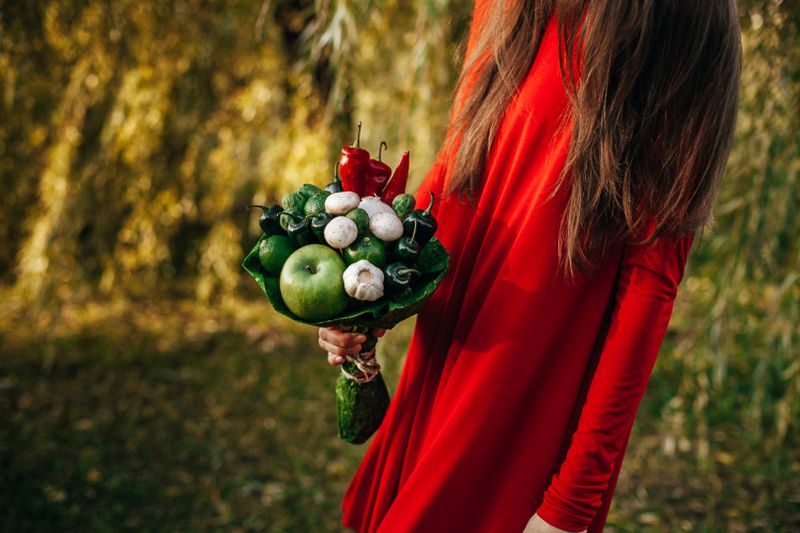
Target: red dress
520 388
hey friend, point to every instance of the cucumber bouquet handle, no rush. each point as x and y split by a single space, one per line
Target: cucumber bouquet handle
354 254
362 397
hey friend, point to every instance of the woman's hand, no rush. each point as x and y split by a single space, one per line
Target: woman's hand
338 342
537 525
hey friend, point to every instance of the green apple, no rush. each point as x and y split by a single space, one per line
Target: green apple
311 283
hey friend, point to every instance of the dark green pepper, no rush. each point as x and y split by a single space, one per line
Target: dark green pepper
287 216
300 232
269 220
406 249
422 222
318 223
398 277
336 184
403 204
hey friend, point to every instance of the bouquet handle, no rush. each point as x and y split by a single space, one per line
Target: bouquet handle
362 397
363 366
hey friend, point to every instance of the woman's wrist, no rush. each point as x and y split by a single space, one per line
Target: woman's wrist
537 525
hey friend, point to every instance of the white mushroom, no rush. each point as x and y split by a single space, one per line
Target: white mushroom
374 205
386 226
340 232
363 281
340 203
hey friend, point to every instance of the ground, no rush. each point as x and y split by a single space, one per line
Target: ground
170 416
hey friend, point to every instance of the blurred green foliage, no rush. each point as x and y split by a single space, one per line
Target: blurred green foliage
139 364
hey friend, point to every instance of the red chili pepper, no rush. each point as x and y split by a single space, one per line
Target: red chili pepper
379 174
354 166
397 183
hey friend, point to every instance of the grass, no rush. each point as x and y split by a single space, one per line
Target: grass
172 417
115 426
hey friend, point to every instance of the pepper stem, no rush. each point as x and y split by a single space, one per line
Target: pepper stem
336 172
256 205
406 271
358 135
382 146
430 205
414 232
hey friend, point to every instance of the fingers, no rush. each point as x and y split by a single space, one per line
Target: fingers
337 349
338 341
334 359
341 339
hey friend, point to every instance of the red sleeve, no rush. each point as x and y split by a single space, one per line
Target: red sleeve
647 285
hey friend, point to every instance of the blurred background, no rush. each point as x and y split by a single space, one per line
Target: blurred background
144 380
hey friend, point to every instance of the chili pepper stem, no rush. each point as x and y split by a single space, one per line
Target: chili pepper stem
414 233
358 135
430 205
404 271
261 206
383 146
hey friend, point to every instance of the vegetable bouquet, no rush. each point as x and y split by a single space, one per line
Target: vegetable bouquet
356 253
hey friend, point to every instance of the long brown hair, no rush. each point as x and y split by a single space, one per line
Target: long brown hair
652 113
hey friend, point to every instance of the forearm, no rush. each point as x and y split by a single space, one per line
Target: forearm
644 300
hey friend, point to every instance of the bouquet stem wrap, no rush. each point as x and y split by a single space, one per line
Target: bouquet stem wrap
362 397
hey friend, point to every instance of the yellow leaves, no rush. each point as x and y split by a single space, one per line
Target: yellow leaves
54 494
724 458
93 475
137 116
219 261
254 100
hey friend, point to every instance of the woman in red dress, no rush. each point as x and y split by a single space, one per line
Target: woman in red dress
586 146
